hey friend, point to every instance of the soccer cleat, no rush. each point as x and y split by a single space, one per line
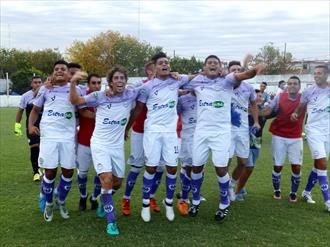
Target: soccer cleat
202 198
243 192
193 210
82 203
94 203
239 198
112 229
100 211
327 206
169 210
125 207
277 195
145 213
154 206
64 211
48 213
221 214
182 207
293 197
231 193
307 196
42 203
36 177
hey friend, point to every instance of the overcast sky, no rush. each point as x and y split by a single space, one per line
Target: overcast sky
229 29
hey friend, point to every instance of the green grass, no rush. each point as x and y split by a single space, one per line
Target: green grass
258 221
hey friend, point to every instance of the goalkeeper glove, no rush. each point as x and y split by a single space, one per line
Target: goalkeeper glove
18 129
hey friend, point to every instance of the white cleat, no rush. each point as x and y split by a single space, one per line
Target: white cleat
169 211
145 214
231 192
327 206
48 213
63 211
307 196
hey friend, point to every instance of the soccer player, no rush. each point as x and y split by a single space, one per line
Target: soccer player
242 96
107 142
84 156
286 137
73 68
265 95
255 145
317 129
136 158
213 128
26 103
187 106
57 138
160 140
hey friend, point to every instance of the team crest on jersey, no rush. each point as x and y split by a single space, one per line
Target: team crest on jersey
108 106
156 92
53 98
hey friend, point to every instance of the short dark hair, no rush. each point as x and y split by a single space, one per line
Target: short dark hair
36 77
92 75
324 67
211 56
280 82
116 68
265 83
74 65
61 62
295 78
257 90
232 63
158 56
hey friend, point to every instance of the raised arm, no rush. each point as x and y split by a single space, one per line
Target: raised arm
74 97
250 73
34 114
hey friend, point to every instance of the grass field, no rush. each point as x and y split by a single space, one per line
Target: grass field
258 221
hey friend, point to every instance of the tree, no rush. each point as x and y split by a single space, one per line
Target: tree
22 79
277 62
107 49
185 65
13 60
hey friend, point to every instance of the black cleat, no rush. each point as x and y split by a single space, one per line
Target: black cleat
221 214
94 203
82 203
193 210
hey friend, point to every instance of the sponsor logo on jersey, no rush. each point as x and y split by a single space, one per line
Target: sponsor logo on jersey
67 115
121 122
170 104
215 104
235 106
317 110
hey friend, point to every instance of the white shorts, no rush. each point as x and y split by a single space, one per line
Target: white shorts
84 157
240 144
53 153
136 157
218 143
319 145
186 150
281 146
161 145
108 159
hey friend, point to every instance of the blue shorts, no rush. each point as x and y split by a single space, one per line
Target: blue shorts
253 156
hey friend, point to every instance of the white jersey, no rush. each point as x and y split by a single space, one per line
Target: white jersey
112 115
58 122
26 99
213 103
187 107
161 98
241 98
318 109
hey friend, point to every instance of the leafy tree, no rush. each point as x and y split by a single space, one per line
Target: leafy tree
107 49
277 62
22 79
185 65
